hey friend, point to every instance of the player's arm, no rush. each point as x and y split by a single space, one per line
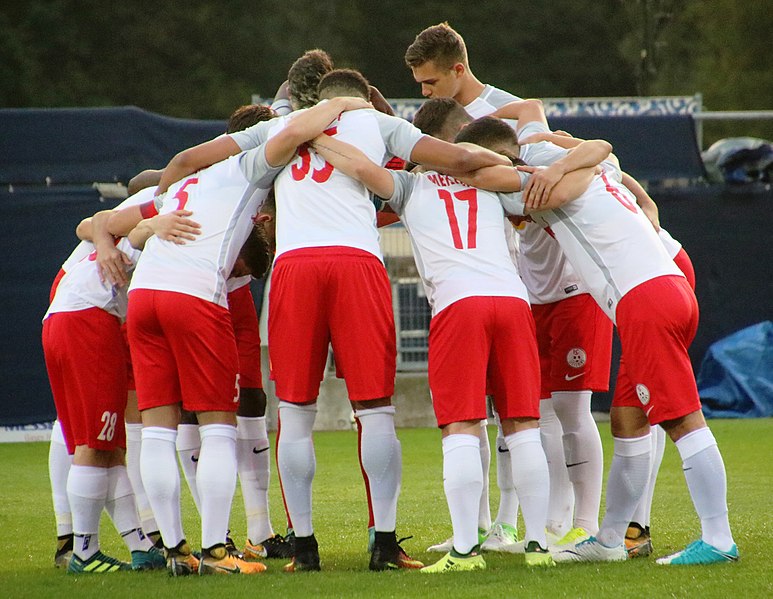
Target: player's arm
282 104
196 158
121 222
589 153
454 158
174 226
307 125
380 102
523 111
111 262
147 178
353 162
646 203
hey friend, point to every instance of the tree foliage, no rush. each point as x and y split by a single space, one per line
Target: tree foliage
202 58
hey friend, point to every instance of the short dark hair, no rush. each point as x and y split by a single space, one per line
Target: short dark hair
441 118
304 76
344 82
440 44
492 133
255 252
247 116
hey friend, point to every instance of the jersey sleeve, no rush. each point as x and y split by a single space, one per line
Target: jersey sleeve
404 183
399 135
252 137
513 202
257 169
532 128
543 153
282 106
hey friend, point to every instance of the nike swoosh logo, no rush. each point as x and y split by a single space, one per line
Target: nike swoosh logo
234 570
194 459
577 464
500 450
256 451
571 378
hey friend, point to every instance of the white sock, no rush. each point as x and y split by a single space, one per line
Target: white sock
561 499
532 481
484 509
508 498
59 462
297 462
216 481
463 482
583 454
161 479
644 507
383 463
133 447
627 480
253 458
188 448
704 470
86 491
122 510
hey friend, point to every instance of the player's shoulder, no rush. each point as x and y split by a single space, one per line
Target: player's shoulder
497 97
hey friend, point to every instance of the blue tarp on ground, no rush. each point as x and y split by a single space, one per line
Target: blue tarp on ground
736 376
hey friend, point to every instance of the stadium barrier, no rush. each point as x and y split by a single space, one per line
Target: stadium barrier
50 158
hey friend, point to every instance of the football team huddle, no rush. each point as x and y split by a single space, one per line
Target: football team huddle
532 245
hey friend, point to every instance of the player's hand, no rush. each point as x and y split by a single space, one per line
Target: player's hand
540 184
650 210
175 227
111 266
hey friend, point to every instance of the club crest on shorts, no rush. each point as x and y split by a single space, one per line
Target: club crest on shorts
643 393
576 357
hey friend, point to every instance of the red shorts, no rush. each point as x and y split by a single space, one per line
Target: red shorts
682 260
86 362
55 284
656 322
337 295
244 318
183 351
478 341
574 338
130 385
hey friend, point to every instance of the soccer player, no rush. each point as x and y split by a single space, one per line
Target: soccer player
182 286
86 359
323 217
616 250
481 321
574 337
638 540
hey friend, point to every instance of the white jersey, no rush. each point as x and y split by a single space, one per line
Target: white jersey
609 241
545 271
80 288
318 206
458 240
224 199
489 100
673 247
84 248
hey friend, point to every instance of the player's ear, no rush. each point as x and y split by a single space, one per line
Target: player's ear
262 218
459 69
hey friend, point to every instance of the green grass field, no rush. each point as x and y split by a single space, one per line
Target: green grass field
28 534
